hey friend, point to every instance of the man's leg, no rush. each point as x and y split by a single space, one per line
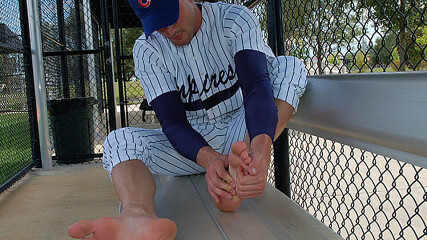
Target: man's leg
135 187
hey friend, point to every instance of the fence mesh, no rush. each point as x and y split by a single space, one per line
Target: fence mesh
74 81
343 36
15 127
358 194
137 111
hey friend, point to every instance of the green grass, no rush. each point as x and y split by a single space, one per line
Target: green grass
134 92
13 101
15 144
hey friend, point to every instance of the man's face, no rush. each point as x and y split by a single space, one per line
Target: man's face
187 25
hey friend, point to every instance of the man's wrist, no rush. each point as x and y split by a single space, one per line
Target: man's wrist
262 143
206 155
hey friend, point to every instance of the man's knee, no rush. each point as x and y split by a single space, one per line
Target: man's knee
114 137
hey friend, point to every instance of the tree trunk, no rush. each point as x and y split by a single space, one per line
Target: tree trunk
403 60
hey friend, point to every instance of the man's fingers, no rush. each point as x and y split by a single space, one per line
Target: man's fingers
246 196
218 188
223 174
221 193
254 167
214 196
249 179
219 183
252 188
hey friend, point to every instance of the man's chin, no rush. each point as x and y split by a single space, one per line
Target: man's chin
181 41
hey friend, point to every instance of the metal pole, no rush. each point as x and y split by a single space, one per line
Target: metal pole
39 84
271 25
281 145
93 92
29 79
118 62
281 164
80 72
63 47
108 64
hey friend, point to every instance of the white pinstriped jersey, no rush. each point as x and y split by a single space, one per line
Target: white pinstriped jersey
203 72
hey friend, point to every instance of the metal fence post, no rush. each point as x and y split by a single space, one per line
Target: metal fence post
120 78
281 145
39 83
29 78
282 177
63 47
108 64
80 76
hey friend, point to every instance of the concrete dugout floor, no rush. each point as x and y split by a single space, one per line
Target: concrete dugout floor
43 204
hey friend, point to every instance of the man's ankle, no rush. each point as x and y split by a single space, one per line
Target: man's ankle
139 208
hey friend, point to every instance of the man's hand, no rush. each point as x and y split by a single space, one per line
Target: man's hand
251 178
253 184
219 182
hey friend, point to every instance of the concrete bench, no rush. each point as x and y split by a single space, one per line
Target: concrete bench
270 216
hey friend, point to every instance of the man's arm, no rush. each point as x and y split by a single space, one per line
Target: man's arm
253 184
261 120
284 113
190 144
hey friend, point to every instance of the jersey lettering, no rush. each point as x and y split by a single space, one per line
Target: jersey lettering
224 78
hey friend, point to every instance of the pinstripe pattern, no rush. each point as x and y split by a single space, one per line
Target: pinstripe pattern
153 148
199 71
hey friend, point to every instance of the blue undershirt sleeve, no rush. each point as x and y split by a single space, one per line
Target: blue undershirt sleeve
260 108
170 111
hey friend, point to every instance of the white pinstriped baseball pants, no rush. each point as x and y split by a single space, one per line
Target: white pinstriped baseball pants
152 147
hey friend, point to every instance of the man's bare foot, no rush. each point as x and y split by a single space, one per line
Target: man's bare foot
127 226
238 157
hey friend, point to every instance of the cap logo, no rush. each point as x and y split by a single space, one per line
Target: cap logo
146 4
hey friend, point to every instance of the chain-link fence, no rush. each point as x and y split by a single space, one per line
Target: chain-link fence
334 37
74 79
358 194
16 91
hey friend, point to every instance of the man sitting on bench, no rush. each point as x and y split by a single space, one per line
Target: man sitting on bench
221 97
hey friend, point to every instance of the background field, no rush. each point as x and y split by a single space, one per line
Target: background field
15 144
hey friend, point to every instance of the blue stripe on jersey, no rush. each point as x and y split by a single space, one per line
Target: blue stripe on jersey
212 100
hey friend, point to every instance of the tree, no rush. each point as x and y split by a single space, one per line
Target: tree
319 27
421 48
403 18
381 53
334 59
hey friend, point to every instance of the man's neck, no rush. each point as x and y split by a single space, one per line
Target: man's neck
199 19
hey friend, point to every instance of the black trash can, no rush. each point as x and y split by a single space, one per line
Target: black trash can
72 128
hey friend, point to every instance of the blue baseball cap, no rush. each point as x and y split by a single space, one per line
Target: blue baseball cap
156 14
